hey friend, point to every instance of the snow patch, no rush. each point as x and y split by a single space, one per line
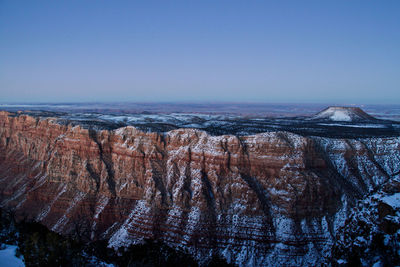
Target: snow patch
8 258
393 200
121 238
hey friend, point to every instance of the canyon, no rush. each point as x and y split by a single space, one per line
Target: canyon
275 197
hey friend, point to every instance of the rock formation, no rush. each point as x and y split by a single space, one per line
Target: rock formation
261 199
348 114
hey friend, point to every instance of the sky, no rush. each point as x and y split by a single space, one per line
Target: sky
200 51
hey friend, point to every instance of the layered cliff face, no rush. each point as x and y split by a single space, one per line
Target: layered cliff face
261 199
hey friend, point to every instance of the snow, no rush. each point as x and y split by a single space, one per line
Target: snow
378 264
136 218
8 258
393 200
102 203
178 119
340 116
64 219
334 114
46 210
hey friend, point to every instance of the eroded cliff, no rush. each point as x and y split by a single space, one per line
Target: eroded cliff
261 199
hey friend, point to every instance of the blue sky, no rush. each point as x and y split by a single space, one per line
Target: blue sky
262 51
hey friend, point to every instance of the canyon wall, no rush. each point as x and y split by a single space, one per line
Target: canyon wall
262 199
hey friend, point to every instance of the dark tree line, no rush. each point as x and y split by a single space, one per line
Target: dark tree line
41 247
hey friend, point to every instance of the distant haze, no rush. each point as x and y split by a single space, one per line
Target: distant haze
255 51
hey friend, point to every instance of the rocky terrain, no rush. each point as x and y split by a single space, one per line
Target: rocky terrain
294 194
337 122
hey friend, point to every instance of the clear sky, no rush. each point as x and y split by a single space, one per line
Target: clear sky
264 51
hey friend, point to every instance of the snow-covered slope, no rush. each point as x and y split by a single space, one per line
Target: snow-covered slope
8 258
349 114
